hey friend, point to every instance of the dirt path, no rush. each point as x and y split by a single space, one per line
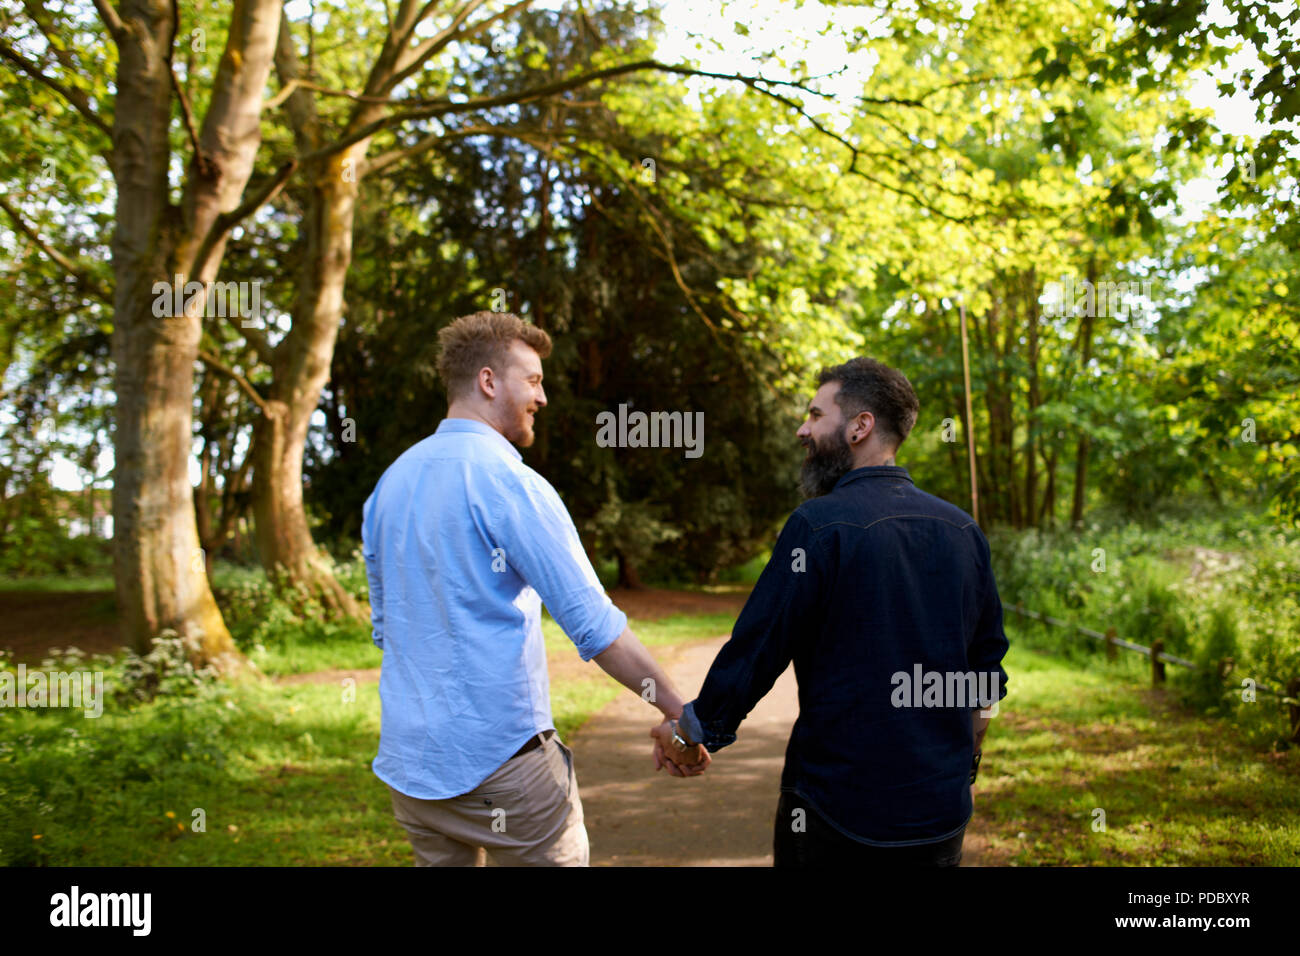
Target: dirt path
637 816
654 603
31 623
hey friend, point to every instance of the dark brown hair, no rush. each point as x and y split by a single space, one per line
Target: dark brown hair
483 338
870 386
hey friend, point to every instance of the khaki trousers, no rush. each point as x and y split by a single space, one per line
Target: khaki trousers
527 813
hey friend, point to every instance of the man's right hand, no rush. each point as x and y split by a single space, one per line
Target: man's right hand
689 763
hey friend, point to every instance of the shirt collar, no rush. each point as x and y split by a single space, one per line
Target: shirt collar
874 471
452 426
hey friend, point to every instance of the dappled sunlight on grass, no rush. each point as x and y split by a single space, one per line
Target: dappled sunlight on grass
279 774
282 773
1175 788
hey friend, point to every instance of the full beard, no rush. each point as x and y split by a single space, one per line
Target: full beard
826 465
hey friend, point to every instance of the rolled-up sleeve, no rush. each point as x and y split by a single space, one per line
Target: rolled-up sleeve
784 606
540 542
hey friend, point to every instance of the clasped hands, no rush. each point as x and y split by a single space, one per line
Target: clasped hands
688 763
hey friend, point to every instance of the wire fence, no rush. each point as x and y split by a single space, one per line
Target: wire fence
1290 696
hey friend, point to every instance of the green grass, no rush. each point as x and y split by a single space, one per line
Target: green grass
281 773
668 630
318 647
1177 788
575 700
58 582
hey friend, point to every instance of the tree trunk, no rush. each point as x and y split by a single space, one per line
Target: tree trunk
300 370
1080 479
1048 515
628 577
1029 300
221 495
986 480
1007 402
1000 471
284 542
300 363
209 395
161 580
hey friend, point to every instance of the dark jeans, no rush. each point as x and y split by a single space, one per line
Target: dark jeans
820 844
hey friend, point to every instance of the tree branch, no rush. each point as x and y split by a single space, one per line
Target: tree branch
439 41
201 159
224 222
408 60
670 257
384 160
664 237
443 106
403 27
294 84
285 92
36 11
111 20
75 97
58 258
255 338
756 83
210 360
300 106
530 136
963 81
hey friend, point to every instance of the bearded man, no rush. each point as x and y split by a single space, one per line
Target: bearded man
871 580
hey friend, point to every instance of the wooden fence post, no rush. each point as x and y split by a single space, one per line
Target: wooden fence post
1112 649
1157 665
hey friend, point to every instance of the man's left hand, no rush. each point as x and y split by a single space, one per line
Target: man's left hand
689 763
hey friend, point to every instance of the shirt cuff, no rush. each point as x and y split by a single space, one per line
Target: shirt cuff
614 624
713 737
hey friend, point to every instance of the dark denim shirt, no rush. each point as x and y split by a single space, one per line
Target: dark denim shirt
871 590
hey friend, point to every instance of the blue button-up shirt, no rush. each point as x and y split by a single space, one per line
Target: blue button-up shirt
463 542
871 589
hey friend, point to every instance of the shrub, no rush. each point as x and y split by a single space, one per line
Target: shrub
166 671
1205 687
1209 584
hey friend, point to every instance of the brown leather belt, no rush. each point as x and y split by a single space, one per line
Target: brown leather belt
534 743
